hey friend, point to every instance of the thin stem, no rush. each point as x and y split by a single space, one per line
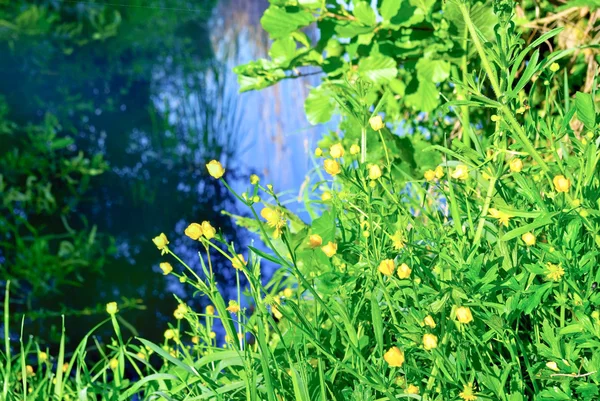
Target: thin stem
486 205
363 145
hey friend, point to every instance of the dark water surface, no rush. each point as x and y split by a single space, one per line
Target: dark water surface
159 100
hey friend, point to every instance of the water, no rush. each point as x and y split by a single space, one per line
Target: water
159 100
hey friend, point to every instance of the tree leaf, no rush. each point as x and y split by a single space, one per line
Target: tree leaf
389 9
426 98
364 13
433 70
280 21
586 113
283 51
378 68
319 105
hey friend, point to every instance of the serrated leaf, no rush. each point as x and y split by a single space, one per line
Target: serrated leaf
364 13
281 21
586 113
319 105
378 68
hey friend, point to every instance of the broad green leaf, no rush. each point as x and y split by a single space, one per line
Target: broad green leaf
433 70
586 113
389 9
281 21
283 51
319 105
426 98
364 13
378 68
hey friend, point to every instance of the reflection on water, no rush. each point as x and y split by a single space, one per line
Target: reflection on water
159 100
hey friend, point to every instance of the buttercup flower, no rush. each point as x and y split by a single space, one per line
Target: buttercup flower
554 272
428 321
552 366
439 172
332 167
554 67
429 175
29 370
195 340
354 149
254 179
42 357
233 307
468 394
315 241
374 172
394 357
404 271
336 151
501 216
288 293
495 118
210 310
516 165
215 169
386 267
528 239
180 311
330 249
326 196
461 172
208 230
411 389
161 243
275 219
430 341
561 183
463 314
239 262
169 334
398 240
194 231
166 268
111 308
376 123
114 364
318 152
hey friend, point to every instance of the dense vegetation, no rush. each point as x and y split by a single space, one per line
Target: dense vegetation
452 251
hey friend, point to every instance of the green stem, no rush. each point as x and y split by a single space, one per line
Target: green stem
486 205
363 145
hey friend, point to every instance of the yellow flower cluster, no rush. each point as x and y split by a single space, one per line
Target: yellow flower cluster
275 219
195 231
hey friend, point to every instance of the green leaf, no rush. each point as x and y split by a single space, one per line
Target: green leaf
280 21
319 105
389 9
539 222
364 13
586 113
377 321
426 98
283 51
325 226
433 70
378 68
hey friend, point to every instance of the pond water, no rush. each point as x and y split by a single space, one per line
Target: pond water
159 100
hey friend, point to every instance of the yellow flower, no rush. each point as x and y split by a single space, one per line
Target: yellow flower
161 243
114 364
65 366
439 172
376 123
29 370
195 340
111 308
411 389
180 311
332 167
336 151
141 355
516 165
501 216
208 230
430 341
554 272
169 334
330 249
386 267
463 314
166 268
275 219
318 152
528 239
254 179
194 231
210 310
288 293
354 149
552 366
554 67
374 172
315 241
42 357
461 172
233 307
394 357
561 183
215 169
428 321
429 175
398 240
495 118
239 262
326 196
467 394
404 271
